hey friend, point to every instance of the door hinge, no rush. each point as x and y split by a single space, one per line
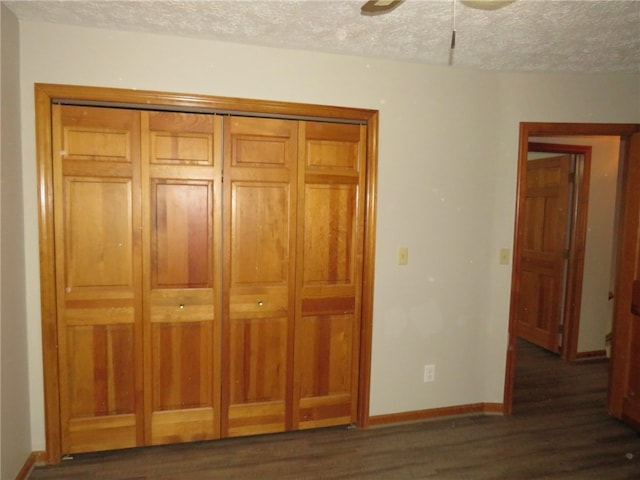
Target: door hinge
572 177
565 254
561 328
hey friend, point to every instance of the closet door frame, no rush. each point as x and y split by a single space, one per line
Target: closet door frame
48 94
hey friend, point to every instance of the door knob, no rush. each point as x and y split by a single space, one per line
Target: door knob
181 306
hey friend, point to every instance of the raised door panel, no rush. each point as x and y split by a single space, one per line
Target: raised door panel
96 172
330 234
182 335
259 229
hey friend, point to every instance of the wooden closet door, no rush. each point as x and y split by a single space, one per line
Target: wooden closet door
96 163
259 244
330 255
182 206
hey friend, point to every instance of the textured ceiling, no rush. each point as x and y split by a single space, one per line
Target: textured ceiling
525 35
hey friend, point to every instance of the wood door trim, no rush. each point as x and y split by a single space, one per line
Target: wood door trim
368 274
577 244
46 94
627 264
527 129
194 103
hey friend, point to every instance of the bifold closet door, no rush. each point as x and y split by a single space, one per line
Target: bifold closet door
96 165
182 258
329 274
208 275
259 249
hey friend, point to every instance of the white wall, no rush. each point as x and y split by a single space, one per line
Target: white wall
15 437
447 173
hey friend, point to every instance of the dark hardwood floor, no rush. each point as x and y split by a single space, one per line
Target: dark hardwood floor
559 430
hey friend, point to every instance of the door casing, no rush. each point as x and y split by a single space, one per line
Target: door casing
546 129
47 94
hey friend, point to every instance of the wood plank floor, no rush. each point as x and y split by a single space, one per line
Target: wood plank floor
559 430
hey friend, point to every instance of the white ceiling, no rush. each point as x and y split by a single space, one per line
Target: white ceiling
525 35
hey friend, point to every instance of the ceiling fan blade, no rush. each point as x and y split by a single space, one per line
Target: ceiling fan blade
376 7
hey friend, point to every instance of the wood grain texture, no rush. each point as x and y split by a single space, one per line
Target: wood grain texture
181 210
329 276
260 205
559 431
96 171
625 383
168 152
577 242
542 262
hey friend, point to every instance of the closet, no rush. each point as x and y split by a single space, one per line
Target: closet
208 274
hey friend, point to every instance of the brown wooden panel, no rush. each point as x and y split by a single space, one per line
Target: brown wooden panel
329 275
256 418
97 134
260 142
258 357
183 192
181 138
193 148
329 234
260 237
182 363
114 311
539 307
635 297
102 433
325 411
327 344
182 234
330 305
334 148
97 144
534 208
98 233
259 232
100 377
96 167
544 234
633 387
182 305
175 426
253 303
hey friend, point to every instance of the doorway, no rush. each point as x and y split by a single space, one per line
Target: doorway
528 131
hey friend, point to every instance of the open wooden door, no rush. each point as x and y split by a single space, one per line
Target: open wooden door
624 388
545 237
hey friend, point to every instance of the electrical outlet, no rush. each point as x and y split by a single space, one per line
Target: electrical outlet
429 373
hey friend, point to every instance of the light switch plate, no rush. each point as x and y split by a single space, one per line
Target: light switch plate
403 256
